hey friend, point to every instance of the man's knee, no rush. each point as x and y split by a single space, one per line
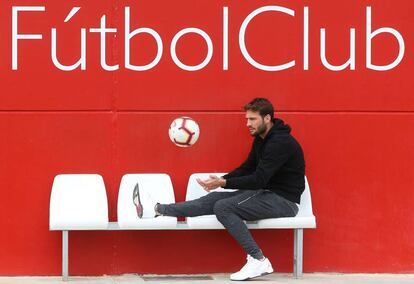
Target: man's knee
222 208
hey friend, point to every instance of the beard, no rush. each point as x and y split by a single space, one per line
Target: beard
261 129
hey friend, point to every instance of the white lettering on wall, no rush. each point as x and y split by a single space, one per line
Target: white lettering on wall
103 30
370 35
82 60
242 41
306 38
129 35
16 36
209 49
225 38
351 60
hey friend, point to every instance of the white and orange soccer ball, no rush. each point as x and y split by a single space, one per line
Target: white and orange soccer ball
184 131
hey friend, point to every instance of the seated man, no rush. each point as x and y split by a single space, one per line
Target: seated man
270 183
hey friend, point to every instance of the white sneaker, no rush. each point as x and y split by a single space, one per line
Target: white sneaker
144 203
253 268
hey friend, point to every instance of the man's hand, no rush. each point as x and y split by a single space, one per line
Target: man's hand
212 182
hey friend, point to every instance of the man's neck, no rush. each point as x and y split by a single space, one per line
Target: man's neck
267 130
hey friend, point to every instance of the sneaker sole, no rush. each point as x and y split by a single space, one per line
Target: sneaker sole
135 194
263 274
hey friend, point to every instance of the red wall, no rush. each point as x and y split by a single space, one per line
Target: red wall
355 127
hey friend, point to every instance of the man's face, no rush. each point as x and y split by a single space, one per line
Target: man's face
255 123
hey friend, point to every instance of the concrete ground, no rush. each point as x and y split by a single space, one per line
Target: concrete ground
311 278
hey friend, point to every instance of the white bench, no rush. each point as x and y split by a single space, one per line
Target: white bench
79 202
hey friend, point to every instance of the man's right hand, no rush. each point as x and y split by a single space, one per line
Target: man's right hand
212 182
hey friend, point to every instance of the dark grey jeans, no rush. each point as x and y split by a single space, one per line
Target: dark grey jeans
231 208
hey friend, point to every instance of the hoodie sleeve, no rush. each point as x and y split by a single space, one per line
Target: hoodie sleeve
275 154
247 167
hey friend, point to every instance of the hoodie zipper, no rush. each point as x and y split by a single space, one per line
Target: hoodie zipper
248 198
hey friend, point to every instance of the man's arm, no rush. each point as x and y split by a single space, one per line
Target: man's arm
274 156
247 167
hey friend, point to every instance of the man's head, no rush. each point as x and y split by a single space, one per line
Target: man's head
259 115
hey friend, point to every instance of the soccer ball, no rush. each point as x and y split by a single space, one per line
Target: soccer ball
184 131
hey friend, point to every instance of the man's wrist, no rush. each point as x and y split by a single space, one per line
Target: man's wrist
222 182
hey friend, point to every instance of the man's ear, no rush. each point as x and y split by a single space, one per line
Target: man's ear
267 118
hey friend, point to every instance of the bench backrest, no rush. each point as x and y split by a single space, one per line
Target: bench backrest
78 202
305 208
194 191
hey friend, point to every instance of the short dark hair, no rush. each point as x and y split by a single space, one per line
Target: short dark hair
261 105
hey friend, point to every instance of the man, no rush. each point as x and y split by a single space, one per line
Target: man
270 183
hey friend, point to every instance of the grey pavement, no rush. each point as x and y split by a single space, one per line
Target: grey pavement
308 278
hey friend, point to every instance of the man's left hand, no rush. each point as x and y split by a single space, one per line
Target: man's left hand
212 182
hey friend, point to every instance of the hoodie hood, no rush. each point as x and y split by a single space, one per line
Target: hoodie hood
279 127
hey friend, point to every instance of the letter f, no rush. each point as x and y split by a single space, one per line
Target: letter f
16 36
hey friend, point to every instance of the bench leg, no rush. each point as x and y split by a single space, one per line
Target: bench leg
298 253
65 255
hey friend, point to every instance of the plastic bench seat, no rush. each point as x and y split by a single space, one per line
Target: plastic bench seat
155 186
194 191
304 218
78 202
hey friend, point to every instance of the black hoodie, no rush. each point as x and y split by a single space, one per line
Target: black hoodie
275 163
